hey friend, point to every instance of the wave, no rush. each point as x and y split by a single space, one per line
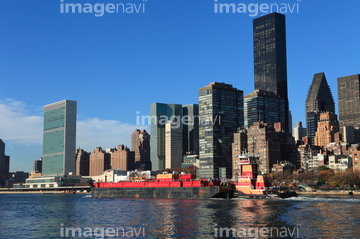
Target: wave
323 199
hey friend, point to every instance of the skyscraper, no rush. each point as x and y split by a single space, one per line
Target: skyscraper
191 129
4 164
173 145
99 161
161 114
82 162
263 106
319 99
349 100
328 126
299 132
270 66
221 112
59 140
140 144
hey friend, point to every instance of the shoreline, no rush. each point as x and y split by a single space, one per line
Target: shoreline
38 192
330 192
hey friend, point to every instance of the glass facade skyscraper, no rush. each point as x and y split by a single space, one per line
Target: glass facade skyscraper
270 66
191 129
221 112
263 106
160 114
59 141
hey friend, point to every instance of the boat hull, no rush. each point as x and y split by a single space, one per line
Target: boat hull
163 192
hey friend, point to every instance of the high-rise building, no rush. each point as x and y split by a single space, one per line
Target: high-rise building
328 125
99 162
221 112
239 147
319 99
263 106
173 145
272 144
140 144
270 64
4 164
122 158
160 114
299 132
59 142
38 166
191 129
349 100
82 162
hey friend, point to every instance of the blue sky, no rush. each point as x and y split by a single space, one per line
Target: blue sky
118 64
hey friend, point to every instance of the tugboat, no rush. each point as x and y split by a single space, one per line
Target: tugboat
251 184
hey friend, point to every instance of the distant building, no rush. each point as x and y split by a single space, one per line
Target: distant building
122 158
160 114
190 129
82 162
306 155
17 177
190 160
299 133
221 111
263 106
355 155
239 146
319 99
99 162
349 100
140 144
38 166
327 127
173 145
340 163
272 144
4 164
350 134
283 167
270 63
59 141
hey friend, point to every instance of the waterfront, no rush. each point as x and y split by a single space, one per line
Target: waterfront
46 216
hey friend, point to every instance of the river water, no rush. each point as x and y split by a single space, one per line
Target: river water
80 216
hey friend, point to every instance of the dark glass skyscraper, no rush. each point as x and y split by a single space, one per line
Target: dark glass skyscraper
221 111
263 106
191 129
319 99
349 100
270 67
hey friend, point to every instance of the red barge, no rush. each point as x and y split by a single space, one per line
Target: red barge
182 186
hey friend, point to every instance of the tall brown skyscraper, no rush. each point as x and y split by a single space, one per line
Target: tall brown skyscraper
122 158
99 162
82 162
140 144
327 127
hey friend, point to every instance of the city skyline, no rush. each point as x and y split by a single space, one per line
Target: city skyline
189 49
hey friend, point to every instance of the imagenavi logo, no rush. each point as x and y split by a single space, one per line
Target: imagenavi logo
256 9
100 9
